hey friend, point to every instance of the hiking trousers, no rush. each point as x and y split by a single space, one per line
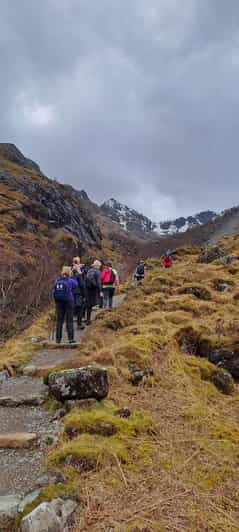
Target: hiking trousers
64 311
108 296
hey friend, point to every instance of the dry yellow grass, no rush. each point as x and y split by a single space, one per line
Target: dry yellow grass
181 472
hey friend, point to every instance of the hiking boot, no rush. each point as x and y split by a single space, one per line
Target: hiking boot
58 341
80 327
88 323
72 342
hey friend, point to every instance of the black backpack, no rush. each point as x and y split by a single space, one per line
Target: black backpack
140 270
91 281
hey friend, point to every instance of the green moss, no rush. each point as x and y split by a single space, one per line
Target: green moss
89 452
101 418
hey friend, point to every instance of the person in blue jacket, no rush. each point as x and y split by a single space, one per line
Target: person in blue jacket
64 300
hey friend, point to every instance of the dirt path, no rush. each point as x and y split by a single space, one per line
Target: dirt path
22 412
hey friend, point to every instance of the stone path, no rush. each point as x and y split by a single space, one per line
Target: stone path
21 415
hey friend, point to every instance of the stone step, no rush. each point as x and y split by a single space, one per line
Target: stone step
22 391
63 345
17 440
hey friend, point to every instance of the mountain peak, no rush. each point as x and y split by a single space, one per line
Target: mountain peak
128 219
11 153
182 224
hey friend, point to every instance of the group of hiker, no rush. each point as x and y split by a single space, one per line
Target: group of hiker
80 288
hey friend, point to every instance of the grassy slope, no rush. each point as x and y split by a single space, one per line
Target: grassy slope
173 465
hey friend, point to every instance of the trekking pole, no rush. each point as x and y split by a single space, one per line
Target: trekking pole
54 326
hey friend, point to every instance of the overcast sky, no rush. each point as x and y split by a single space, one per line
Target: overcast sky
132 99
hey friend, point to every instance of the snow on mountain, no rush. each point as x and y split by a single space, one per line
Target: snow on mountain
131 220
128 219
181 225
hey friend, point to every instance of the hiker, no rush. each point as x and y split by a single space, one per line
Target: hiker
167 260
64 300
93 289
139 272
101 296
79 294
109 281
76 262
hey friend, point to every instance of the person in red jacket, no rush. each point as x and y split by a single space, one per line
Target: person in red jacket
109 281
167 260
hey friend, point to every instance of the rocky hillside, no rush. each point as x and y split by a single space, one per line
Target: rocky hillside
128 219
161 451
41 223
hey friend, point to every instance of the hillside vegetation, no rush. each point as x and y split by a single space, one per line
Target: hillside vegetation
161 453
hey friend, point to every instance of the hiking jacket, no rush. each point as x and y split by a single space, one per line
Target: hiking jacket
72 283
97 278
167 262
105 278
80 289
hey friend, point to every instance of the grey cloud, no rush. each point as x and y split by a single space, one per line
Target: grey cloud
136 99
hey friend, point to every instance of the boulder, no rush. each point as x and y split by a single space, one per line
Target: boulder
8 511
223 380
53 516
197 291
210 254
82 383
226 359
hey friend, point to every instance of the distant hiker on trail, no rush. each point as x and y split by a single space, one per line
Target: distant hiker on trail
79 294
167 260
139 272
64 300
109 281
93 289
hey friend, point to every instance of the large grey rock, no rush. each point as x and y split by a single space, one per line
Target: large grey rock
8 511
82 383
49 517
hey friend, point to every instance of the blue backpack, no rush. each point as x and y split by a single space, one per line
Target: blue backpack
61 290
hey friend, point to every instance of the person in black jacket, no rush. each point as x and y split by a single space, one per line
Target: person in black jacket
93 288
79 294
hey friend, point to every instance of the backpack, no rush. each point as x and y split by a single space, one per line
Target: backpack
140 270
91 281
61 290
112 277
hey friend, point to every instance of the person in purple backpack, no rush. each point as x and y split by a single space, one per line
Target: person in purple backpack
64 300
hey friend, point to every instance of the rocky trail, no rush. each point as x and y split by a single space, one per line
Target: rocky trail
26 428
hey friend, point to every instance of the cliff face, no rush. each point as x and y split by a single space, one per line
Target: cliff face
42 223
